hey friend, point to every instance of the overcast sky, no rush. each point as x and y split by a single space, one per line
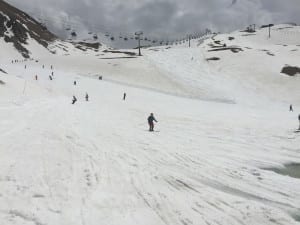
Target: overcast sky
164 18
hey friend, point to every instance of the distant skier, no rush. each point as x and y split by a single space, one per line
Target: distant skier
75 83
50 77
25 67
124 96
51 67
100 77
74 100
86 97
52 73
291 108
36 77
43 66
299 121
151 120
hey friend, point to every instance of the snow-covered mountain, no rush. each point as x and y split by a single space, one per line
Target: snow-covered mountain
239 67
224 125
22 34
17 27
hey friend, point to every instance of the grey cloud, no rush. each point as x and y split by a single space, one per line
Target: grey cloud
161 18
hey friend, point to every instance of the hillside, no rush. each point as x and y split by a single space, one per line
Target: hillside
21 36
17 27
222 107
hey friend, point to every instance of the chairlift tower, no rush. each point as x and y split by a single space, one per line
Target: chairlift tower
270 25
138 34
190 36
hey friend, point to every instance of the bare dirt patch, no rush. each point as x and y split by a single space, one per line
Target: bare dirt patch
292 170
128 57
233 49
213 59
1 70
291 70
122 52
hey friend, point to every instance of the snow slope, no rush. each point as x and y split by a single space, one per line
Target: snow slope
95 162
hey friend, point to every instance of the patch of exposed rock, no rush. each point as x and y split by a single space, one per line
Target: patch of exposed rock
290 70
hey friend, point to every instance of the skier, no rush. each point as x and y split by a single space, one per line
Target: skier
52 73
74 100
86 97
36 77
151 120
100 77
50 77
75 83
291 108
299 121
124 96
51 67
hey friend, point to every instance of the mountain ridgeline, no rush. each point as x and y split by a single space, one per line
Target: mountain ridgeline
17 27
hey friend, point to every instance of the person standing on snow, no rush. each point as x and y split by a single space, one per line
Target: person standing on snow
291 108
124 96
87 97
151 120
74 100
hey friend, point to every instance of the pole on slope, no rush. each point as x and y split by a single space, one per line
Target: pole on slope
270 25
139 34
25 84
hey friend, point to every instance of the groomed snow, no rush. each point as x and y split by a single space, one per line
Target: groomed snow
220 123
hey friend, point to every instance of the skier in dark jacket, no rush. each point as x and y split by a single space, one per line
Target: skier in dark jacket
151 120
74 100
291 108
86 97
